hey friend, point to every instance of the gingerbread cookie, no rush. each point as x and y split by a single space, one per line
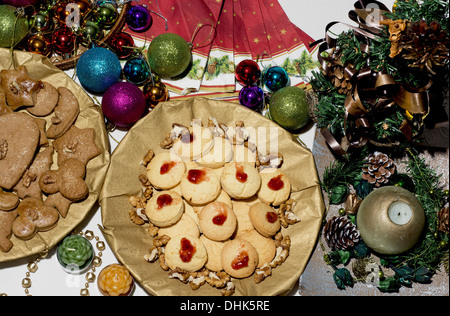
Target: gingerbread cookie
264 219
66 113
4 108
239 258
59 202
6 222
77 143
8 201
240 180
29 184
45 100
275 187
185 252
217 221
19 88
33 217
68 180
19 137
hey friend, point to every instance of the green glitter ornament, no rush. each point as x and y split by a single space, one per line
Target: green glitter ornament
169 55
10 24
289 108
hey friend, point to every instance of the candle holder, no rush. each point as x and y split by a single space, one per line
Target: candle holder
390 220
115 280
75 254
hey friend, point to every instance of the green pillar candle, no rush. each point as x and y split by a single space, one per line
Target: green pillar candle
75 253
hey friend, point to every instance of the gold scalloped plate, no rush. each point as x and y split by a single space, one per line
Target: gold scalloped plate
130 242
91 116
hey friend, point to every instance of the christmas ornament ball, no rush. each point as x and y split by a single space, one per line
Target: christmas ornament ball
390 220
155 92
98 68
289 108
138 18
275 78
9 26
20 3
123 104
251 97
136 71
169 55
247 72
122 44
63 40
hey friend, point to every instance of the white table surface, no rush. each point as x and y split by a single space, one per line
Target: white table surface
50 280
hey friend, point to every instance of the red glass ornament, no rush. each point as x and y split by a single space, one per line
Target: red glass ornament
247 72
63 40
122 44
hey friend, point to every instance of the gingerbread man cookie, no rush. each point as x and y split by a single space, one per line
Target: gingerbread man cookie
6 222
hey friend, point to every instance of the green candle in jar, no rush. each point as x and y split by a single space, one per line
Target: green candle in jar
75 253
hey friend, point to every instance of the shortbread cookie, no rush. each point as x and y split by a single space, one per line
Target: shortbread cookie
223 197
242 153
240 180
165 171
185 226
239 258
19 138
33 217
241 209
200 186
219 155
275 187
265 247
217 221
19 88
6 221
214 250
185 252
66 113
193 144
45 100
264 219
165 208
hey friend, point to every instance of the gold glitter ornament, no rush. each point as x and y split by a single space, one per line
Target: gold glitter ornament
169 55
11 24
289 108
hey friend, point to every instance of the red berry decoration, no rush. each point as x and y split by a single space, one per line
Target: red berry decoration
247 72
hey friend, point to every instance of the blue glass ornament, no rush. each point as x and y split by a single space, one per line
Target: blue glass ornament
98 69
138 18
136 71
275 78
251 97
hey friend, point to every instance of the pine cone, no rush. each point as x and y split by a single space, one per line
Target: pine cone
378 169
340 233
443 219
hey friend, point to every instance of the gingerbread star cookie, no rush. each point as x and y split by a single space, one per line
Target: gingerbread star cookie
77 143
19 87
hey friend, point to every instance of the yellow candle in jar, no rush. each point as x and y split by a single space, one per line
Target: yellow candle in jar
115 280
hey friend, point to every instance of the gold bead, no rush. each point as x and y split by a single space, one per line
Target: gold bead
3 294
26 283
32 267
84 292
90 277
101 246
89 234
97 262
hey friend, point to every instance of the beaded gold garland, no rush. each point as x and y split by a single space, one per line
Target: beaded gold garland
90 277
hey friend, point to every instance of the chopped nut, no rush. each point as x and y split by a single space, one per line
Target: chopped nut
135 218
162 262
282 251
137 201
218 279
152 256
179 274
144 180
48 179
239 123
167 142
229 290
56 120
262 273
148 157
28 178
161 241
3 148
153 230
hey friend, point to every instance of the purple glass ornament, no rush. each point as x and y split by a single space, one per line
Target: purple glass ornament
251 97
123 104
138 18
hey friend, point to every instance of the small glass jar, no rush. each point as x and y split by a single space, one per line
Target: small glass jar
75 254
115 280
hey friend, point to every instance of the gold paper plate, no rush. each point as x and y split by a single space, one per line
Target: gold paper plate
130 242
91 116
